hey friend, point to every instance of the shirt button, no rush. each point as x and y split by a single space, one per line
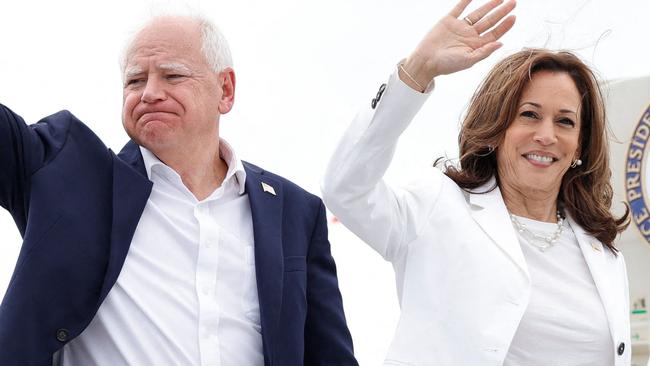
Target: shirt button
62 335
621 349
205 290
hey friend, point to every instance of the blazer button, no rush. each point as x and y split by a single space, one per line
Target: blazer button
62 335
374 102
621 349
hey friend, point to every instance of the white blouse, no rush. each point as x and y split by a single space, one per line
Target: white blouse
565 322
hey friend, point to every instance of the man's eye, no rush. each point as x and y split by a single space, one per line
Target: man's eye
175 76
133 81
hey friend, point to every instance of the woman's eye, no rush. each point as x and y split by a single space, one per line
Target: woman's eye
529 114
567 122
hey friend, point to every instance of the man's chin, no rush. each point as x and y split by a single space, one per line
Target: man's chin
152 139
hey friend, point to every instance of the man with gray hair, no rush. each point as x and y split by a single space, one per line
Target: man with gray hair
173 252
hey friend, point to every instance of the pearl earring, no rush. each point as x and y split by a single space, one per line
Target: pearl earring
576 163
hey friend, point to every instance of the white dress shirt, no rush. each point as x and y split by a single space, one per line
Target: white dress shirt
187 293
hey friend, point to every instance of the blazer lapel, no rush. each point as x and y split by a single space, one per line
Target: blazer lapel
490 212
131 189
266 199
603 272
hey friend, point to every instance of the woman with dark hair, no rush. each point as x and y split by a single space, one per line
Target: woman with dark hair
507 258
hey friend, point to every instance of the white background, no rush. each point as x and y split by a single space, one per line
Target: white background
303 69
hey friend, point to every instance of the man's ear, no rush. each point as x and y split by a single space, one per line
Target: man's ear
227 78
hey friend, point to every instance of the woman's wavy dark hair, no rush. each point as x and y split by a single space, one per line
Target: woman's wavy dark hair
586 192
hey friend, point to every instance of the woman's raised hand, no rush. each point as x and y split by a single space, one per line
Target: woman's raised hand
456 43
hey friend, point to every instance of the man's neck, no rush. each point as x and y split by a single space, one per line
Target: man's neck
200 167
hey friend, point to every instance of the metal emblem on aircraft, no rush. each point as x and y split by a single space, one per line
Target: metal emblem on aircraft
636 178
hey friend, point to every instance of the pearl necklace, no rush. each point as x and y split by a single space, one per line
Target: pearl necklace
541 242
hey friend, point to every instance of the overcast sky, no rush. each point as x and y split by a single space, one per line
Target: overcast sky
303 68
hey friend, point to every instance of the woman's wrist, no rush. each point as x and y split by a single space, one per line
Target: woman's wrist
415 72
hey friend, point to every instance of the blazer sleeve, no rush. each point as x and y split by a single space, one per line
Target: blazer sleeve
24 149
385 217
327 338
22 152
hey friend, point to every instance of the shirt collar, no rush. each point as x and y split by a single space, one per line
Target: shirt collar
235 166
226 152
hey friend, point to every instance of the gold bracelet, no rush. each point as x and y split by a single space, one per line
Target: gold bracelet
401 67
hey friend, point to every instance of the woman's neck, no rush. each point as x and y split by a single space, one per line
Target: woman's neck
531 203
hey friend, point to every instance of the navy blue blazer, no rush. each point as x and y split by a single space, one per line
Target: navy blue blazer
77 205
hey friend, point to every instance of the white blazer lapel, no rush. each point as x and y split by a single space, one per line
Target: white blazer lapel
490 212
604 271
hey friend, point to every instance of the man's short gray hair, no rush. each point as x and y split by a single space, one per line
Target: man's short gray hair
214 45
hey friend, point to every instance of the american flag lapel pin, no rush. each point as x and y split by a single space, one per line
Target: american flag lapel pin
268 189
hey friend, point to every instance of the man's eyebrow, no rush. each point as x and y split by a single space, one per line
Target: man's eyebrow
175 66
134 70
131 71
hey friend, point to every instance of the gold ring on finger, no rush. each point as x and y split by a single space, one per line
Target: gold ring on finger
468 20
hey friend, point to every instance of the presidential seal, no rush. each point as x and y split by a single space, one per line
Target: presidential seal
636 175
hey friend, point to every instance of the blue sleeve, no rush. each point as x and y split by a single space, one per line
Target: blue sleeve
23 150
327 338
18 146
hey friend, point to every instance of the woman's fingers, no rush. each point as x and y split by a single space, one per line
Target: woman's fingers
498 31
459 8
483 52
455 44
486 22
478 14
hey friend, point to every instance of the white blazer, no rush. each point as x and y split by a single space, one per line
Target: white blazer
462 279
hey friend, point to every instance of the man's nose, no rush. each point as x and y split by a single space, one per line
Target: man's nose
154 91
545 133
